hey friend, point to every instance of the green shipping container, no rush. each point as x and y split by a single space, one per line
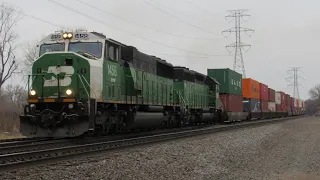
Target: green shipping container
230 81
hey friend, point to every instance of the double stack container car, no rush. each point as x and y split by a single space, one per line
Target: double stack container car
249 99
230 92
272 102
264 97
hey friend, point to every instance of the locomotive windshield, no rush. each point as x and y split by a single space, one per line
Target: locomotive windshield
51 48
91 48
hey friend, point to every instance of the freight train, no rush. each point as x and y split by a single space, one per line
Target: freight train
86 84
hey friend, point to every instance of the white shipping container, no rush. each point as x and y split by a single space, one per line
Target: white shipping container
296 104
272 106
278 98
300 104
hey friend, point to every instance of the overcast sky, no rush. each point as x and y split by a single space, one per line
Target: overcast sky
286 32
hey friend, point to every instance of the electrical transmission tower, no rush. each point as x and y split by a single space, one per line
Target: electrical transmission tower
238 16
295 78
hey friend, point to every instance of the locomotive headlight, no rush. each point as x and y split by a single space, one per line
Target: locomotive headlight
32 92
68 92
65 35
69 35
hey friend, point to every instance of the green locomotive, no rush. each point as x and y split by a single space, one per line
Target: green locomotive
85 83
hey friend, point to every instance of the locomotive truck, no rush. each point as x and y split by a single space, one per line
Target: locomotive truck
84 83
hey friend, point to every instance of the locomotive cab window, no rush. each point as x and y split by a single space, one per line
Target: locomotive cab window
44 48
91 50
112 52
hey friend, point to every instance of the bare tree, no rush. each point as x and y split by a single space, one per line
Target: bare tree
31 53
311 106
315 92
8 20
16 95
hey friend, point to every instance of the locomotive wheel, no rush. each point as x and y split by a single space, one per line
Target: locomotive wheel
193 120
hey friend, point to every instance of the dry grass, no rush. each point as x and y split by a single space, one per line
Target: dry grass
9 122
10 136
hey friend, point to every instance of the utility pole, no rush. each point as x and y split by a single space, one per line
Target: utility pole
295 78
237 16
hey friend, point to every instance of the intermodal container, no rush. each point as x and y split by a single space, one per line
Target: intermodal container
252 105
289 108
271 93
272 106
278 108
230 81
278 98
300 104
288 99
231 103
264 105
283 97
250 88
292 103
264 93
284 108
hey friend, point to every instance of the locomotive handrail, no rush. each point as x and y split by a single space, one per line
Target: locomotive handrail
84 86
89 86
180 97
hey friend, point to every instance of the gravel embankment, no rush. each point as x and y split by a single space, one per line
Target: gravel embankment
290 150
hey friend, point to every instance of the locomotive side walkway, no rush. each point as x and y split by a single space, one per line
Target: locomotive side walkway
289 150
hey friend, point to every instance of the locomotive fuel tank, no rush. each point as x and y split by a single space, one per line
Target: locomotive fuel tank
145 120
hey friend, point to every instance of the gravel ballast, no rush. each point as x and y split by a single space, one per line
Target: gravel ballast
289 150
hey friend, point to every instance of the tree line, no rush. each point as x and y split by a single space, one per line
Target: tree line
313 104
12 97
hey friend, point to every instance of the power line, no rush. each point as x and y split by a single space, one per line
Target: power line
295 84
139 24
199 7
103 23
176 55
42 20
34 17
171 15
55 25
184 14
237 15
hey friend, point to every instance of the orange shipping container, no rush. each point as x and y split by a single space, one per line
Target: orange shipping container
250 88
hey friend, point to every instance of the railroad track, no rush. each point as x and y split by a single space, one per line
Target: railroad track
42 144
20 159
20 142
